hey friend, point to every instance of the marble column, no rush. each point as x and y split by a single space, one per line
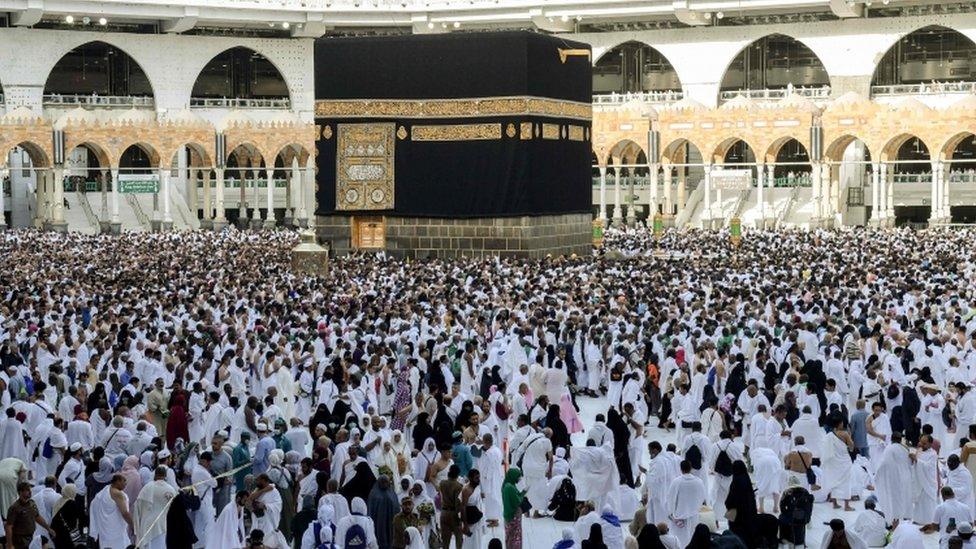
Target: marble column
890 194
603 193
4 172
57 218
654 180
269 221
207 218
946 205
682 182
167 214
666 182
707 211
815 186
115 227
875 193
827 210
617 206
220 220
308 195
41 197
103 218
760 199
936 214
242 220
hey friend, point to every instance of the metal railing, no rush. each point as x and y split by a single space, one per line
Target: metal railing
795 181
780 93
962 177
238 103
930 88
263 183
137 210
912 178
639 97
791 200
89 213
68 100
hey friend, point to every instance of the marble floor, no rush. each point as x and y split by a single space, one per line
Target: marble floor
545 532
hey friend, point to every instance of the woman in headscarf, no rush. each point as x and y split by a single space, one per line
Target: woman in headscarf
427 456
621 444
67 518
389 460
489 377
701 539
741 503
563 501
512 499
560 435
416 540
320 417
177 425
401 399
100 478
360 485
284 483
650 537
566 541
463 419
422 431
398 442
595 541
382 506
133 480
97 399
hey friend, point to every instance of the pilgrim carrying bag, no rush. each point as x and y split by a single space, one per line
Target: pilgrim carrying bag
472 514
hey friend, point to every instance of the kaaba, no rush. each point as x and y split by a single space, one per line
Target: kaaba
452 145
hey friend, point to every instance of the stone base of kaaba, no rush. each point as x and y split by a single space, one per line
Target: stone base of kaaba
421 237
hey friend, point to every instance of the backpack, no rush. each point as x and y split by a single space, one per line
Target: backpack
694 457
723 464
355 537
48 450
317 542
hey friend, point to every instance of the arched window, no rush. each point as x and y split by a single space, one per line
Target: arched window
240 73
775 62
931 54
634 67
97 68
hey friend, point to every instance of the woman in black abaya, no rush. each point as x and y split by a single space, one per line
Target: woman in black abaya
621 441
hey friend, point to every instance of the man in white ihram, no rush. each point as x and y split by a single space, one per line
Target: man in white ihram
150 511
685 497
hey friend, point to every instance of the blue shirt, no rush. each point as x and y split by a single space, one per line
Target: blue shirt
859 428
261 452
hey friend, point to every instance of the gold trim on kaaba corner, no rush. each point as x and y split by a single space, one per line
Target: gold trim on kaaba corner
550 131
401 133
525 131
327 132
565 54
576 133
453 108
510 130
457 132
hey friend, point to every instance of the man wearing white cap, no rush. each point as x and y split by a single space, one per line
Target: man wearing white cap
263 449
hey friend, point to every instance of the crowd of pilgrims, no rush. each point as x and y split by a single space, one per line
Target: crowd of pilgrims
190 390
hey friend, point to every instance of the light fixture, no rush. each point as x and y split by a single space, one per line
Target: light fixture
69 19
102 21
285 25
457 24
708 16
85 20
430 25
565 18
720 15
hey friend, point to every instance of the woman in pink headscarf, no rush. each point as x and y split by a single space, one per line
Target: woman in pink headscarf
133 481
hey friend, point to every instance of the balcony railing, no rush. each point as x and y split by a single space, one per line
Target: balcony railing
69 100
779 93
930 88
238 103
639 97
230 183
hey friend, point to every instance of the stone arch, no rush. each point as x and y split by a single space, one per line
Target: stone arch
673 151
885 71
789 155
294 150
624 151
817 70
112 50
150 153
199 89
198 158
948 149
604 75
721 151
835 150
890 150
38 155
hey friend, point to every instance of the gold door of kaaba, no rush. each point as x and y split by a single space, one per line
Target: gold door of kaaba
369 232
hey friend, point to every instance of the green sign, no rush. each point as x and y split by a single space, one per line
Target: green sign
658 225
138 183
